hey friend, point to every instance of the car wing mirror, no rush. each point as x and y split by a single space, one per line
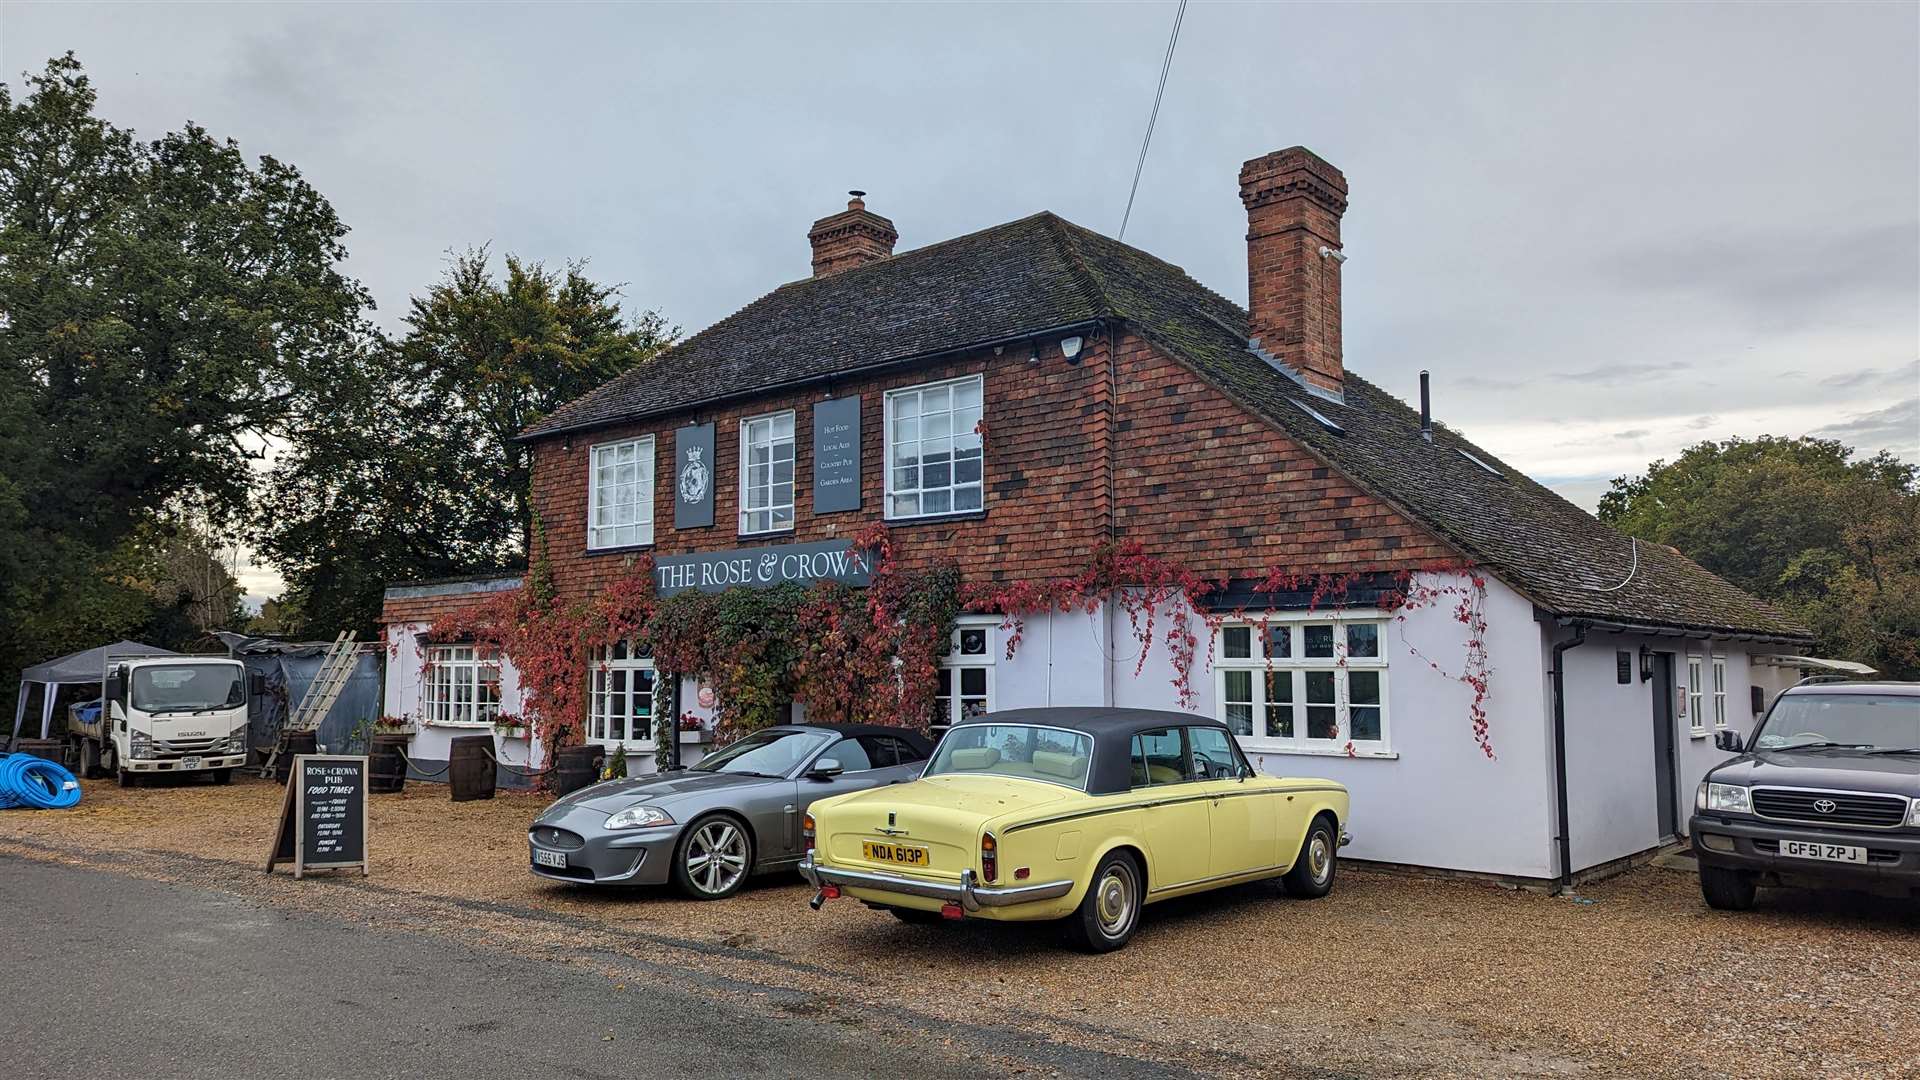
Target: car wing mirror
825 769
1730 741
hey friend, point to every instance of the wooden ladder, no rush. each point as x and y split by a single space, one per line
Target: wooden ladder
335 670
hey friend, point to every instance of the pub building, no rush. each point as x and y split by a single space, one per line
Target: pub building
1018 398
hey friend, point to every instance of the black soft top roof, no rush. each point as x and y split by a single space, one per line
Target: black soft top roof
849 731
1112 730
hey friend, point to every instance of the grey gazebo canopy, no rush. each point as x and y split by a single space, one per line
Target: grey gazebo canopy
86 666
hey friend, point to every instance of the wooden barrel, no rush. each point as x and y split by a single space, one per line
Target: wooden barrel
386 765
470 771
575 767
294 743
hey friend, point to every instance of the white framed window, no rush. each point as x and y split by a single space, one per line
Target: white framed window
463 687
1304 682
965 687
933 449
1719 691
620 494
766 473
1696 716
620 711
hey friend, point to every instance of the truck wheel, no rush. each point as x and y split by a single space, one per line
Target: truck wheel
1312 873
1110 912
125 778
1726 890
90 759
223 776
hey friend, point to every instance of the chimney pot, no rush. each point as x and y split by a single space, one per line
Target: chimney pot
853 237
1294 202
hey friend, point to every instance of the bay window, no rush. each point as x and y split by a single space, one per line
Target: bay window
766 473
1307 682
462 687
620 711
933 449
620 494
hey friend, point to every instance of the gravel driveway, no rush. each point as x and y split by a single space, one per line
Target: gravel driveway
1392 975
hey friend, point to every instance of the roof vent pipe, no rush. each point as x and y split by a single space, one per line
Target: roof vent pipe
1426 409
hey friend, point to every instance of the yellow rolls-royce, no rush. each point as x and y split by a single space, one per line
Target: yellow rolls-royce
1084 815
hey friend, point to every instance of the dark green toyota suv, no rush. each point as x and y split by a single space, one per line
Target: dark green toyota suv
1826 794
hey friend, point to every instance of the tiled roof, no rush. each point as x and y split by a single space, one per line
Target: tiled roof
1042 273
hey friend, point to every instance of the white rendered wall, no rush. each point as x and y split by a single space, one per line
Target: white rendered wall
1612 786
1437 801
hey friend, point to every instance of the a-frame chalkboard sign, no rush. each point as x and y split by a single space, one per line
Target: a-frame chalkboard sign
323 818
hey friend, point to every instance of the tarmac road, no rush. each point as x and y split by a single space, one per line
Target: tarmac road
110 976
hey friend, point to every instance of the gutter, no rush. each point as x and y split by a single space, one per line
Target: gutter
1087 325
1564 838
1657 630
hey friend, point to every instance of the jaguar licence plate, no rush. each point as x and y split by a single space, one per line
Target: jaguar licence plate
1801 849
897 854
550 858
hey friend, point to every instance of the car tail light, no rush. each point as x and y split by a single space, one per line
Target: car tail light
830 892
806 832
989 858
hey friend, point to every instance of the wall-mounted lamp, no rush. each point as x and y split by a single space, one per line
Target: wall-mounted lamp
567 443
1070 348
1646 663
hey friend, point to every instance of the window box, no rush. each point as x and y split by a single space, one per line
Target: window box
699 737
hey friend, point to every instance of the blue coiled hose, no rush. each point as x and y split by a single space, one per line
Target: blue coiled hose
26 780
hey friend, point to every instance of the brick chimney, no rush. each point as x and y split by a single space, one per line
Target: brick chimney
850 238
1294 202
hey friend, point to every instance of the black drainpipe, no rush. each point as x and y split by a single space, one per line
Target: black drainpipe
1560 749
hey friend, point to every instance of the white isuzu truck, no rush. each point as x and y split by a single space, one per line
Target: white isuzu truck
164 714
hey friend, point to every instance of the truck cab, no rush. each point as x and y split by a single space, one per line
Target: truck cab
1824 794
165 714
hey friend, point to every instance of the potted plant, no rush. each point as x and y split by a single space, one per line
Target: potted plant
394 725
509 726
692 731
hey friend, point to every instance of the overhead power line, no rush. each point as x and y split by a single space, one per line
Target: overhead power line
1166 65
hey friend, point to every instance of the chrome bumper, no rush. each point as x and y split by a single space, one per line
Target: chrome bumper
970 896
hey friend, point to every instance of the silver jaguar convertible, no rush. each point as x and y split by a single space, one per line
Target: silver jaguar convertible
735 813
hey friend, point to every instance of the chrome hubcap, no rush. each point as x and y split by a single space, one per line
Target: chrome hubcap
1320 858
716 857
1114 901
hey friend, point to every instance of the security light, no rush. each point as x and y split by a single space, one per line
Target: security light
1070 348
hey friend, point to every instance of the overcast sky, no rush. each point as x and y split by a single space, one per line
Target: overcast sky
1609 231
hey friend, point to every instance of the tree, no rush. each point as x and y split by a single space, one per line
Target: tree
1799 522
409 470
165 306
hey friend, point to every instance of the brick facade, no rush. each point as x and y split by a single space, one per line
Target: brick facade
395 610
1191 475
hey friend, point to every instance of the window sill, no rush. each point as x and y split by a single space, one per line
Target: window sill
459 725
1302 751
788 531
1696 733
937 519
627 550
